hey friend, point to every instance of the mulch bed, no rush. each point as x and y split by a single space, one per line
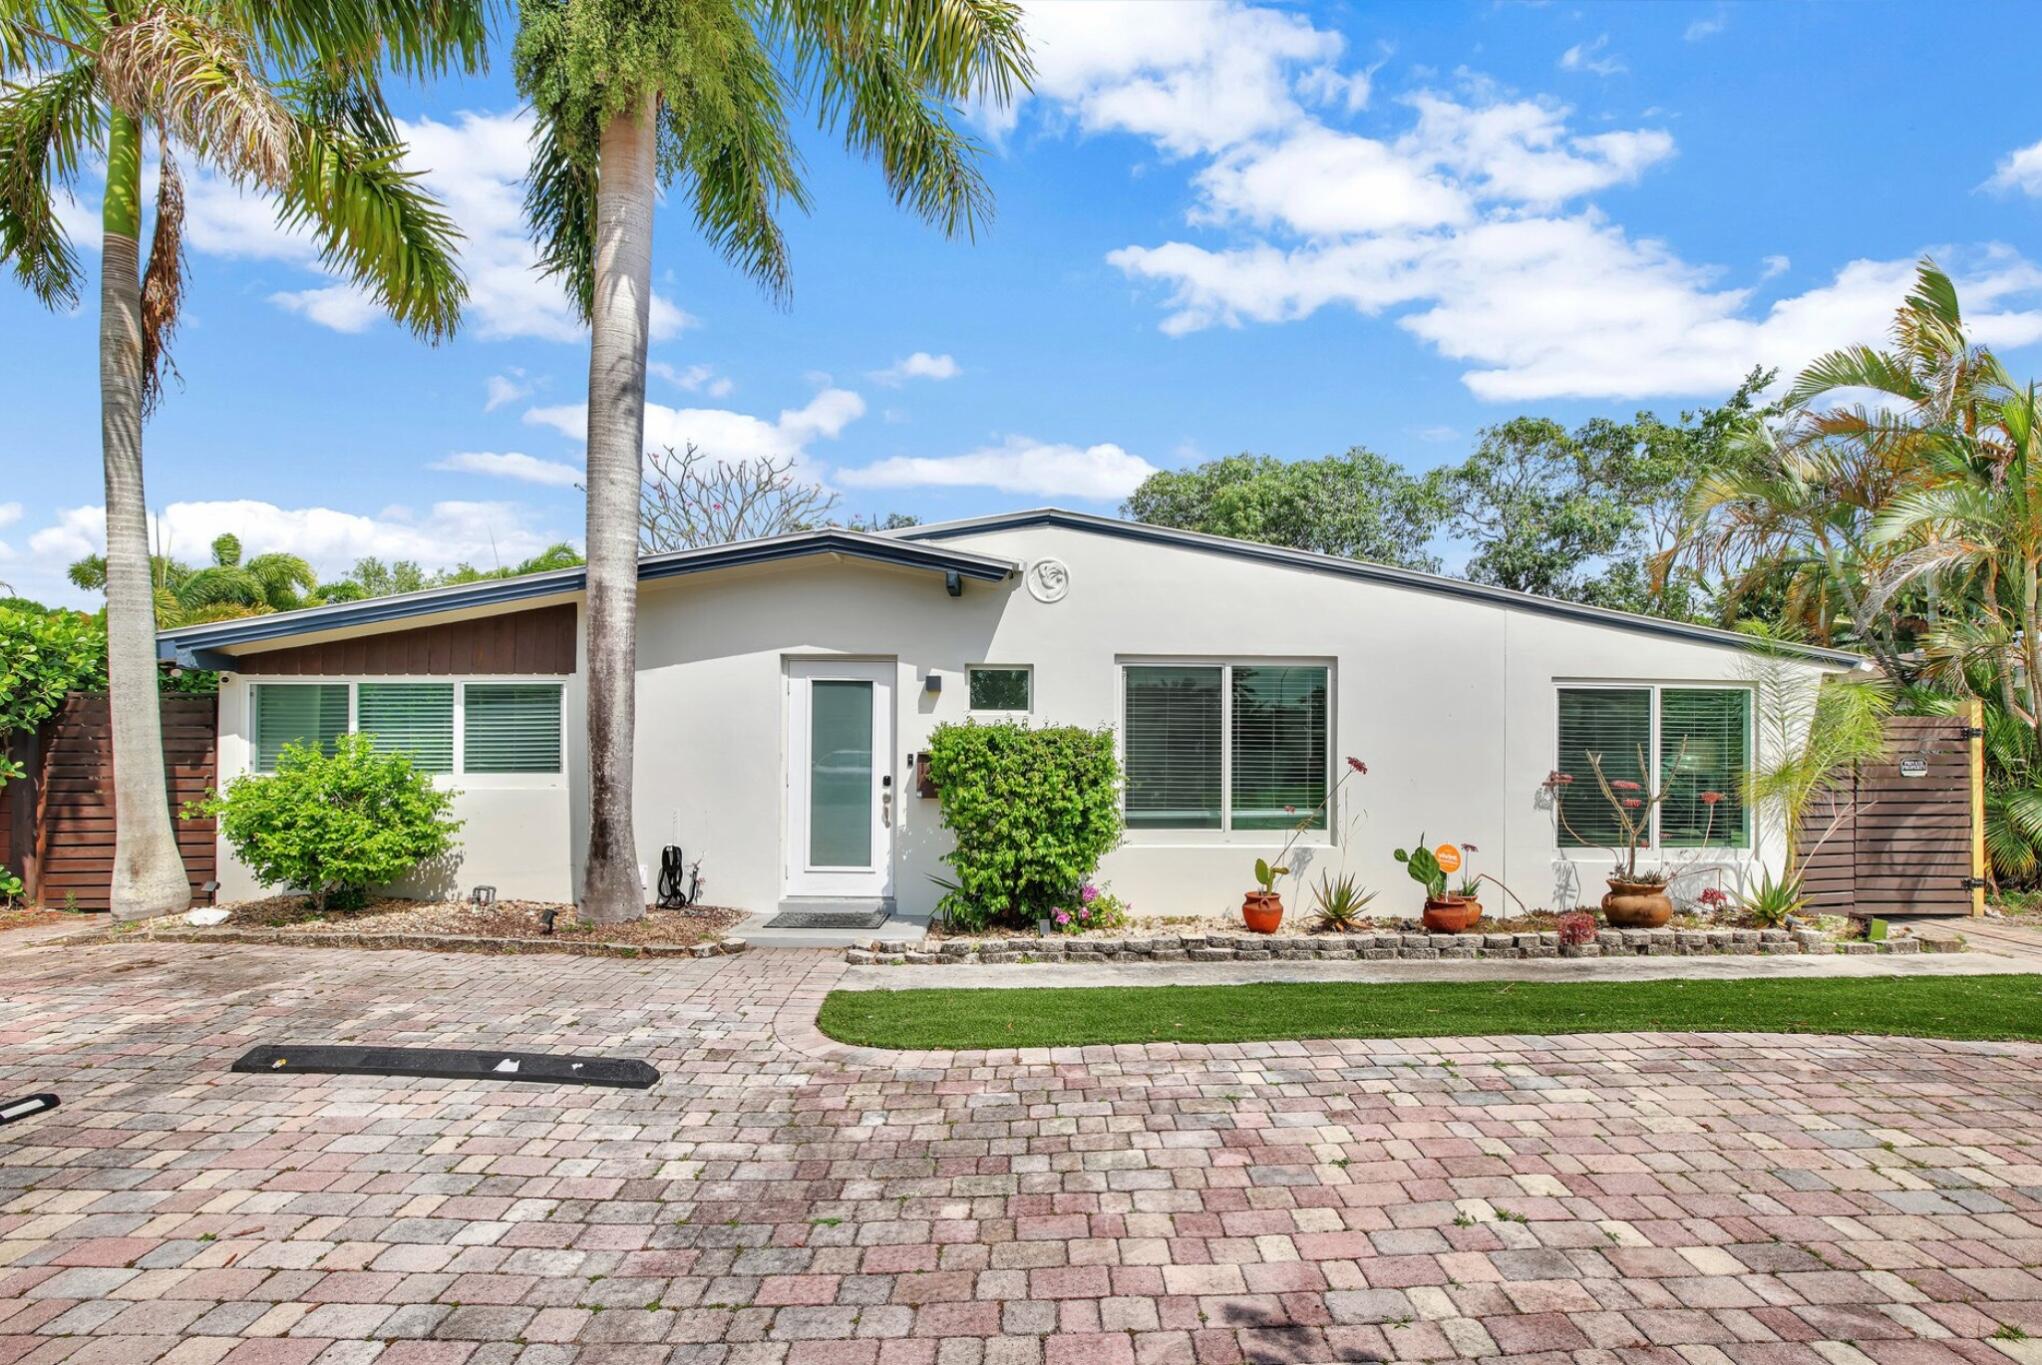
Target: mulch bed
32 917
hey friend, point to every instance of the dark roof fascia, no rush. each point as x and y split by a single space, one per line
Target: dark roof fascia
1379 573
184 645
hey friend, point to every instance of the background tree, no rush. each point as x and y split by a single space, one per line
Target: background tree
635 94
280 94
1357 505
688 500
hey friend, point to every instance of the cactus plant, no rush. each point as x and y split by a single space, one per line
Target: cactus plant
1423 865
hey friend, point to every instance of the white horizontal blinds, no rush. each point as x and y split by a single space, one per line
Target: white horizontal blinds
1279 730
1173 738
1704 748
296 713
413 719
1615 723
511 728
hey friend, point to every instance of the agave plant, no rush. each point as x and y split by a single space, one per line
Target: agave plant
1340 902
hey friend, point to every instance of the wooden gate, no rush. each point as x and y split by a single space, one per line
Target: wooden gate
1909 833
58 820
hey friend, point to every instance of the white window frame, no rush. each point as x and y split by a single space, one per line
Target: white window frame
1027 670
1656 686
1226 836
460 776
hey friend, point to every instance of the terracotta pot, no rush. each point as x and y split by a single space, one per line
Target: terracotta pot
1451 915
1262 912
1637 905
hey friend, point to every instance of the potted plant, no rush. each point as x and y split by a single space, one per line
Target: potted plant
1637 897
1262 909
1445 912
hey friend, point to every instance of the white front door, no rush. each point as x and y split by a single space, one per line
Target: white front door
840 794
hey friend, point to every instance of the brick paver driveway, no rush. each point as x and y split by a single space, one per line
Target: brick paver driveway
776 1199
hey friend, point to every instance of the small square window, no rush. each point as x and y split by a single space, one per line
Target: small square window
1000 689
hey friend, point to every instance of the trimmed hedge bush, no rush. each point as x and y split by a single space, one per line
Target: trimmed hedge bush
1032 813
334 825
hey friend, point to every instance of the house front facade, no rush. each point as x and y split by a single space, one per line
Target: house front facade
786 687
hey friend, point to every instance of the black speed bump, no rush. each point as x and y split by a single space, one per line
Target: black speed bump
450 1064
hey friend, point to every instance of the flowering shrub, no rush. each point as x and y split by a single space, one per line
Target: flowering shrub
1577 927
1714 901
1093 908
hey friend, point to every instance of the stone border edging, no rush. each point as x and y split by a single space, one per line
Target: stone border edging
1375 947
432 943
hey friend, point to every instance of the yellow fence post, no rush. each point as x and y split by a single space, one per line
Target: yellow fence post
1974 717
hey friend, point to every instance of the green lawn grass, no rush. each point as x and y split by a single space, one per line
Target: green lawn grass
1984 1007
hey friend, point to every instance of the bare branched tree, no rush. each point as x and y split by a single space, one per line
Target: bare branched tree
690 500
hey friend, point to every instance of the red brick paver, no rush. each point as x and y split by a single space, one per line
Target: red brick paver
781 1200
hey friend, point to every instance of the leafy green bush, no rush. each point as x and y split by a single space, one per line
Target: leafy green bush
1032 812
335 826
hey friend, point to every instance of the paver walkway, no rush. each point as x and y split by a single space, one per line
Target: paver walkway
778 1199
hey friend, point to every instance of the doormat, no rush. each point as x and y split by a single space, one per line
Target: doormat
828 919
450 1064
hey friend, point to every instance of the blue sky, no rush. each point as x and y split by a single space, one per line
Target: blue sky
1221 227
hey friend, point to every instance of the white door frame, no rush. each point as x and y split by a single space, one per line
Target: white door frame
802 878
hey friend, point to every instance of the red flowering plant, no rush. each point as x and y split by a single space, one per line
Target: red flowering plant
1633 806
1267 871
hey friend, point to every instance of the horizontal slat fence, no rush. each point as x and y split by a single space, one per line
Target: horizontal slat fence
1909 836
68 843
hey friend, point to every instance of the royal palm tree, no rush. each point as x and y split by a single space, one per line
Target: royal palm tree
636 94
276 94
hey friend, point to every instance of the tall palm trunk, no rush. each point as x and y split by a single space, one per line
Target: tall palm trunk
619 317
148 874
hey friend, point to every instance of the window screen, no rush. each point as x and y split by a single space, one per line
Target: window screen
1172 737
1279 731
998 689
413 719
296 713
1704 743
511 728
1615 723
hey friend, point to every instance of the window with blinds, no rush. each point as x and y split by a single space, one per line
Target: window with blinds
1172 734
511 728
413 719
1279 736
295 713
1704 749
1613 726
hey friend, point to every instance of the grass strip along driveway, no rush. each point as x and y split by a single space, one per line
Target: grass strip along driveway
1969 1007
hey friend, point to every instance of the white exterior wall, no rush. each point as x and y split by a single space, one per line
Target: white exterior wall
516 824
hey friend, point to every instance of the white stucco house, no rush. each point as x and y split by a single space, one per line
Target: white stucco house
786 685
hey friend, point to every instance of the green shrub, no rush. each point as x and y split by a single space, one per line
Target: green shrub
1032 813
335 826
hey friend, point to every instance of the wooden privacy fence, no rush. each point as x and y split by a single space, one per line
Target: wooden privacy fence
1910 830
56 824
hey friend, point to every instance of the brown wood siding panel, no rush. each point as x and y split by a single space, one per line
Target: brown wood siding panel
75 829
539 642
1905 844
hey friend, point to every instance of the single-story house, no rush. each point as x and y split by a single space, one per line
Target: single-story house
786 686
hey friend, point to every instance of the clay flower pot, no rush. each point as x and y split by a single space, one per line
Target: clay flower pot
1262 912
1451 915
1637 905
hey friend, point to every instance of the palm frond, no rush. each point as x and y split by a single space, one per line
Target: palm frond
1854 367
419 38
197 79
45 130
560 204
163 280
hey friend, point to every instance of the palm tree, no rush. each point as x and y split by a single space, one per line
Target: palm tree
279 94
230 587
634 94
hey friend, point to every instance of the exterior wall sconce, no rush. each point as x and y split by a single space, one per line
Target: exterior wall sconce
932 683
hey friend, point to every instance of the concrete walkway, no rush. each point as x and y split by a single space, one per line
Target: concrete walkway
2000 937
1784 967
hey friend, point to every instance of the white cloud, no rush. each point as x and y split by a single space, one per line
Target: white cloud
512 464
920 365
1702 29
481 533
2020 171
506 388
1018 464
694 378
475 164
10 512
1774 265
725 435
1593 57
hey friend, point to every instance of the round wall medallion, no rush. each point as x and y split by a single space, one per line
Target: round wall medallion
1049 580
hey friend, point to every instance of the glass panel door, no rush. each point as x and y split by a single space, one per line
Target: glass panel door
840 784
